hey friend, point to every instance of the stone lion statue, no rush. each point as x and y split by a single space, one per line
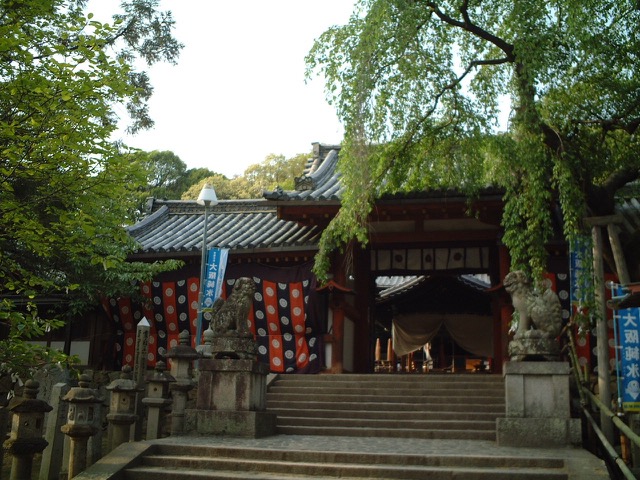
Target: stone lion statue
540 314
230 317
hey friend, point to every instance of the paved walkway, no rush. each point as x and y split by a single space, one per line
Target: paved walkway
581 465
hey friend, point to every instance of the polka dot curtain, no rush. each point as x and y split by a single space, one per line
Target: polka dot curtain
279 321
168 305
282 318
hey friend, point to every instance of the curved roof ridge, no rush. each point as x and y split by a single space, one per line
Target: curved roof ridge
177 226
147 221
326 169
320 184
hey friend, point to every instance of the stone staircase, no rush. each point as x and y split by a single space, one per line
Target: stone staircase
403 426
169 462
463 407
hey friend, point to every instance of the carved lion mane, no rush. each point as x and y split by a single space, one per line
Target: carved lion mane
542 311
230 317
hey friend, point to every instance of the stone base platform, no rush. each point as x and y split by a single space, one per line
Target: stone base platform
537 406
231 399
538 432
232 423
534 348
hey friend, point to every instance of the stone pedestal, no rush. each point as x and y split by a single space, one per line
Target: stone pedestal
537 406
231 399
534 348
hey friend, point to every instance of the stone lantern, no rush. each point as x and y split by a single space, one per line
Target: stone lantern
122 407
27 424
206 350
158 397
181 356
83 407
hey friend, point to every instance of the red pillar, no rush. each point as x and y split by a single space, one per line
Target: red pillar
504 312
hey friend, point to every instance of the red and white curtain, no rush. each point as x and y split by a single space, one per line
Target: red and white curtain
283 319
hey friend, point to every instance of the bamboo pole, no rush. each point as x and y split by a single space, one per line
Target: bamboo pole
604 376
618 255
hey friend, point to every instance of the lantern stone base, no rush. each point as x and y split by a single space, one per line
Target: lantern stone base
537 406
231 399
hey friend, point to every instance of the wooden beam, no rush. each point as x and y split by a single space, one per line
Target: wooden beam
603 221
618 254
425 238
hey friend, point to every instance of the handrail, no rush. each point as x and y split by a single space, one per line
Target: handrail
617 421
610 450
573 356
588 398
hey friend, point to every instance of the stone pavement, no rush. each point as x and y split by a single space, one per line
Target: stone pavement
580 464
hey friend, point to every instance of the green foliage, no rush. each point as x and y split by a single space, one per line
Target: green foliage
274 171
17 357
420 87
166 177
66 189
219 182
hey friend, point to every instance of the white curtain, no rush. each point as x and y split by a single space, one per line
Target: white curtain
474 333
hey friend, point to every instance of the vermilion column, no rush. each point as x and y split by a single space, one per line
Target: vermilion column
501 330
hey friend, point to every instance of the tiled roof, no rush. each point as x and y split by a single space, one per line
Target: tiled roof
320 182
240 225
397 285
253 225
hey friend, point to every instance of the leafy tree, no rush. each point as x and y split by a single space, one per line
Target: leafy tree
274 171
420 85
65 187
219 182
191 177
165 170
166 177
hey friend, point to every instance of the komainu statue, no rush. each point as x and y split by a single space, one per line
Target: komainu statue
229 335
230 317
539 319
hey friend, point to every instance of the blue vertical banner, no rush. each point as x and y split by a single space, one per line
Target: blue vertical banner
214 275
628 321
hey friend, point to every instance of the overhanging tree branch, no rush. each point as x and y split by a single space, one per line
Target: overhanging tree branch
471 27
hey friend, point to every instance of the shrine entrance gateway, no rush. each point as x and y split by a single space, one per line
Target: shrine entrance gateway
437 241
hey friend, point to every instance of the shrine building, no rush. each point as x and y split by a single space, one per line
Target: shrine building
423 295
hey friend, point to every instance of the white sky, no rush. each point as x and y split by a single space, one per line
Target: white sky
238 92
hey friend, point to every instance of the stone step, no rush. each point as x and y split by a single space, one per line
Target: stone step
196 462
274 404
344 396
393 406
394 379
402 415
375 389
336 429
377 423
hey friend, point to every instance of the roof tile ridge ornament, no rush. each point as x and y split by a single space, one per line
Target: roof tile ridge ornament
148 220
186 207
318 176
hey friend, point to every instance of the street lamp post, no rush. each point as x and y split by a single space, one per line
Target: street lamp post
207 198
